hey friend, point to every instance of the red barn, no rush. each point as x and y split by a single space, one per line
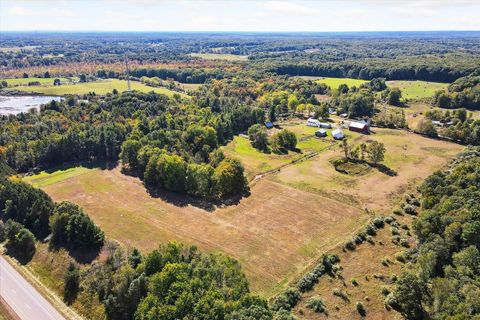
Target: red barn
361 127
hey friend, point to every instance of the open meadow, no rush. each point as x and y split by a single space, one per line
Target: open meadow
43 81
289 219
415 90
99 87
219 56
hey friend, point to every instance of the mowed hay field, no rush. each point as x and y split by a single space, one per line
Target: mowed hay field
99 87
417 89
275 233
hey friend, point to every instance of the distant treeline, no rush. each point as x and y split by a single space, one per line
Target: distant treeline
187 75
437 69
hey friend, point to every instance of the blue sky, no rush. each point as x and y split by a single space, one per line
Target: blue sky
249 15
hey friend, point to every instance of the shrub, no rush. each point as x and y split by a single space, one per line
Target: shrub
385 291
409 209
378 222
307 282
339 293
398 212
359 238
404 243
354 282
394 231
389 219
71 283
349 245
316 304
361 309
371 230
287 300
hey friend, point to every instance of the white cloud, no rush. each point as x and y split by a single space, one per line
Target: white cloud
290 8
26 12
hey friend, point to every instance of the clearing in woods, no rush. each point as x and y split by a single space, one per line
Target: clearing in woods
219 56
289 219
99 87
417 89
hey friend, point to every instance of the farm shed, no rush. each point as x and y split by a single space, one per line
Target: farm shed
269 125
325 125
338 134
361 127
321 133
313 122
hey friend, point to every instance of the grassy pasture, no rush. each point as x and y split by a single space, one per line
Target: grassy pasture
417 89
43 81
335 82
219 56
45 178
255 161
412 156
99 87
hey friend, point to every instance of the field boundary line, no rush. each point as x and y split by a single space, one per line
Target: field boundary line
305 157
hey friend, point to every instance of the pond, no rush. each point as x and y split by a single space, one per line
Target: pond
18 104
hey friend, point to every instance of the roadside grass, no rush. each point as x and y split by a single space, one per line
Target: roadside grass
49 267
100 87
219 56
417 89
43 81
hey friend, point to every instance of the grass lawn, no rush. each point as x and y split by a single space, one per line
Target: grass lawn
219 56
417 89
43 81
335 82
99 87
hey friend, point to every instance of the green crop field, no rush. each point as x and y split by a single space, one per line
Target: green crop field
417 89
43 81
219 56
99 87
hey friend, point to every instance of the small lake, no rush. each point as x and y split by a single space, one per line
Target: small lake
18 104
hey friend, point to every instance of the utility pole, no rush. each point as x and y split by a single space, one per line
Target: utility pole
127 71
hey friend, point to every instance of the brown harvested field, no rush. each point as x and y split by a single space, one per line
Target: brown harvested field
412 156
275 233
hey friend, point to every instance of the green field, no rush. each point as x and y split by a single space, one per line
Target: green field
99 87
44 178
255 161
43 81
417 89
335 82
219 56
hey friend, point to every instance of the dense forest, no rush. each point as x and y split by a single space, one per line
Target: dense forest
444 283
395 55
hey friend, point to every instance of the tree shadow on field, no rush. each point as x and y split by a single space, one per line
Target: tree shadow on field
181 200
385 170
96 164
82 256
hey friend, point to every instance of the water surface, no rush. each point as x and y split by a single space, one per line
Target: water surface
18 104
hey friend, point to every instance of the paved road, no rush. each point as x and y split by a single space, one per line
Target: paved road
22 297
